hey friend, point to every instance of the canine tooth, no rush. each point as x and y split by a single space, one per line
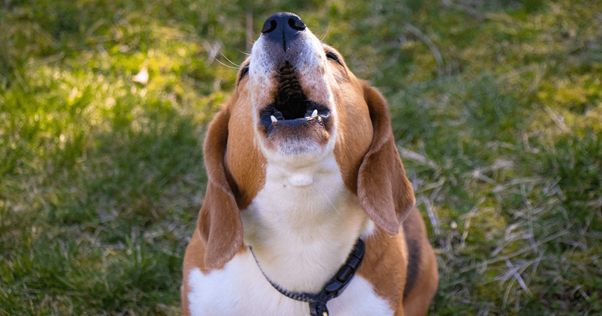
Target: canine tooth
274 120
314 114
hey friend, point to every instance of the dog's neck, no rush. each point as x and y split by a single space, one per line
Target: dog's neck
304 222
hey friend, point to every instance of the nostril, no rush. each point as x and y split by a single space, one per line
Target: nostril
296 24
282 28
267 28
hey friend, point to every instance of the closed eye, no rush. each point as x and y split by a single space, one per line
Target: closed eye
334 57
244 72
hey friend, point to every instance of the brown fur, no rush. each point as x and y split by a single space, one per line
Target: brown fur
233 182
384 191
219 223
355 131
248 174
387 197
400 265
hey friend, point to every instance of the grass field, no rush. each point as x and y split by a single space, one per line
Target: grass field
496 108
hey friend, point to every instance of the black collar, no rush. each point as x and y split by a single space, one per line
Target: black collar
333 288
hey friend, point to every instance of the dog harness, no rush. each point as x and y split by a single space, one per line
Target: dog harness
333 288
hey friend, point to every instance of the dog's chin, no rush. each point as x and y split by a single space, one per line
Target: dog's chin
297 137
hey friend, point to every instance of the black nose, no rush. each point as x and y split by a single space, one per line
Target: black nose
283 27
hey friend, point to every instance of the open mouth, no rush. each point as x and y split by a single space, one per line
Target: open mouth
291 107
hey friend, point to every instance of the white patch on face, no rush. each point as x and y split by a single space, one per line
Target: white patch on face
240 289
262 83
311 66
312 69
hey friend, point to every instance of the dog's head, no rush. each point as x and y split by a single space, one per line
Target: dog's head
296 102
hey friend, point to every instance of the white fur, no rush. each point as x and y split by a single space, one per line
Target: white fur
261 75
301 235
240 289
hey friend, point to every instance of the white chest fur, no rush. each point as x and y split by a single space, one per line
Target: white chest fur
240 289
301 225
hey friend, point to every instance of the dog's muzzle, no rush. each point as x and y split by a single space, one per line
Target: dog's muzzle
290 90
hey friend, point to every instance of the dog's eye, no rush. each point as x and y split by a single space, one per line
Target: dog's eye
243 72
333 56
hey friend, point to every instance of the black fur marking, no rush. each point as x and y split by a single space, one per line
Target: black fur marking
243 72
414 254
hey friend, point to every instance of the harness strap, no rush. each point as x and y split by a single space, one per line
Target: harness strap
333 288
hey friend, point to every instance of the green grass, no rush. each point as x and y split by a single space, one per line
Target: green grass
101 177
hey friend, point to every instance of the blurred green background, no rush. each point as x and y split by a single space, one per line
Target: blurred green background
496 108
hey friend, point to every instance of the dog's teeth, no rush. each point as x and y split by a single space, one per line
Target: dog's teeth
274 119
314 114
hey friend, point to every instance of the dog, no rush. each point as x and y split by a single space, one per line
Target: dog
305 180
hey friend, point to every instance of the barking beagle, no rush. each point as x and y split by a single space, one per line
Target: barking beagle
302 166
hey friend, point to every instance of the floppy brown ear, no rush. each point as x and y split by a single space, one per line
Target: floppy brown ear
219 223
384 191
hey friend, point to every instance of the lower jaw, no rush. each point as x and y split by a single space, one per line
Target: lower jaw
292 157
301 148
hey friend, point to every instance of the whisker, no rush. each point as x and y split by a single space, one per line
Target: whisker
237 66
226 65
240 51
327 30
